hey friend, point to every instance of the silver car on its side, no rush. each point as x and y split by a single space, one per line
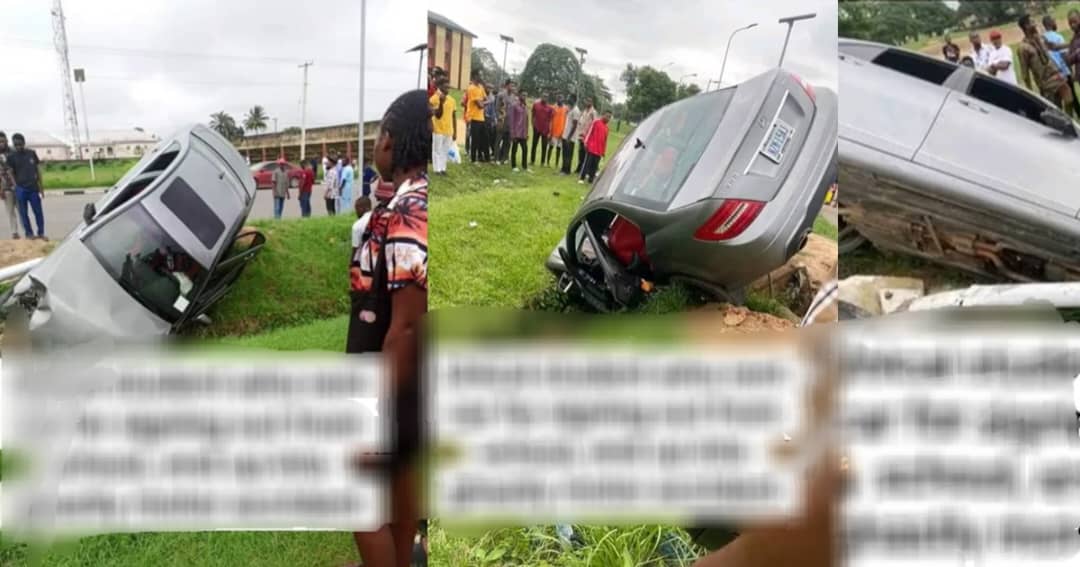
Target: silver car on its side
153 254
714 190
949 164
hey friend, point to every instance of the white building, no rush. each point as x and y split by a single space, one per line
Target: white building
130 143
47 146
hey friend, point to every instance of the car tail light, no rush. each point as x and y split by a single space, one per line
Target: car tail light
806 86
730 220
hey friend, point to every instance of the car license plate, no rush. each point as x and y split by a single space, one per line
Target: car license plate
777 141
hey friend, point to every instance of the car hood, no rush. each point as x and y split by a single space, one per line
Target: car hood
81 302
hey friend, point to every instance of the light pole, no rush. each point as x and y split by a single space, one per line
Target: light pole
581 69
686 77
360 121
728 49
790 21
303 111
507 40
420 48
80 78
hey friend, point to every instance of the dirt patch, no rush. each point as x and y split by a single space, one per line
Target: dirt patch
15 251
725 318
1010 35
797 282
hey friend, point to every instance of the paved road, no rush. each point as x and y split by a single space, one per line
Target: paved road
64 212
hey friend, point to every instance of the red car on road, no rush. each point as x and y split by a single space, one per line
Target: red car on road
263 172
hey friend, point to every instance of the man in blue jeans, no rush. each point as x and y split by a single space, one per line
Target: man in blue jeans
25 166
281 187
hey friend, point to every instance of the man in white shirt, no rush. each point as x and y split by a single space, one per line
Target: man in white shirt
980 53
1001 59
363 213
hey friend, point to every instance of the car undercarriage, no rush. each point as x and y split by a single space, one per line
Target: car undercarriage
910 220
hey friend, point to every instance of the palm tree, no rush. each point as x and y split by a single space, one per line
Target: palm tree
256 119
225 125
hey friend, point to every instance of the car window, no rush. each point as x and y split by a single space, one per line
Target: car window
915 65
196 215
147 262
671 148
1009 98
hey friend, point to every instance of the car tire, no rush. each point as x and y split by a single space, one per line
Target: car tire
848 239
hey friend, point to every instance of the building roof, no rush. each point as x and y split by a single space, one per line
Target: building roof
129 135
38 138
441 20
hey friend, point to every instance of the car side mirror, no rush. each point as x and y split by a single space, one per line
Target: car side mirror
1059 121
89 212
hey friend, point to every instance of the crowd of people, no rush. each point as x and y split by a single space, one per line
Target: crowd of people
498 122
1047 63
21 186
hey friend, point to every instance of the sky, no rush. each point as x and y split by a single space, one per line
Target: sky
687 37
160 64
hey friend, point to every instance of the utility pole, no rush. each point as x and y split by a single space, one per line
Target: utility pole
363 49
790 21
581 70
303 111
80 78
727 49
507 40
60 42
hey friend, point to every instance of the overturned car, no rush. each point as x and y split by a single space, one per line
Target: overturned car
714 191
151 256
955 166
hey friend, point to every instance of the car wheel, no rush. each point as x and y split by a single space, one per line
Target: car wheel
848 239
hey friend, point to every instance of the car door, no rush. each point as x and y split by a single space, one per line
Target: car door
992 136
888 104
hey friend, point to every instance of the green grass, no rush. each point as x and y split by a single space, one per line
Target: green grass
823 227
76 175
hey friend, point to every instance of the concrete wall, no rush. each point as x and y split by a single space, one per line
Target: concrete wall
51 152
460 56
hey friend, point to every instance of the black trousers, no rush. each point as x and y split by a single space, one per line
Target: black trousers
504 145
493 142
554 150
479 149
331 204
581 154
592 163
539 139
524 145
567 155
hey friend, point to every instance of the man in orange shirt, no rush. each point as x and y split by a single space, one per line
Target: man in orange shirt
558 124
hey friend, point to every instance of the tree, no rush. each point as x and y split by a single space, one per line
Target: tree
291 130
593 86
685 91
256 119
226 125
551 70
485 62
628 76
652 90
896 22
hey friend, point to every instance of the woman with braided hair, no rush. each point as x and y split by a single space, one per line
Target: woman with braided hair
388 276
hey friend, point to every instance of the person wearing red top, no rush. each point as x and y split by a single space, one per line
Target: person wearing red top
307 181
541 121
595 147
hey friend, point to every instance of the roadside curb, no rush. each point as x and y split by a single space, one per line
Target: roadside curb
75 192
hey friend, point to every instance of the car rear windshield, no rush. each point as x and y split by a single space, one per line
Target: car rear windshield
147 262
668 146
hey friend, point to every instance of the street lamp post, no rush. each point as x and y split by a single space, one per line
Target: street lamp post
507 40
581 69
790 21
686 77
363 50
420 48
727 49
80 78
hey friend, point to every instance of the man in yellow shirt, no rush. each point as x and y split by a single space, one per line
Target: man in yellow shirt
444 125
479 147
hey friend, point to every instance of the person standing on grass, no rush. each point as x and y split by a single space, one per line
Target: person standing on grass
474 116
502 125
1037 68
519 132
367 177
1058 49
26 169
595 147
348 177
569 133
490 118
588 116
1001 59
7 187
558 124
280 181
950 51
980 53
443 126
541 123
307 182
389 295
330 190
